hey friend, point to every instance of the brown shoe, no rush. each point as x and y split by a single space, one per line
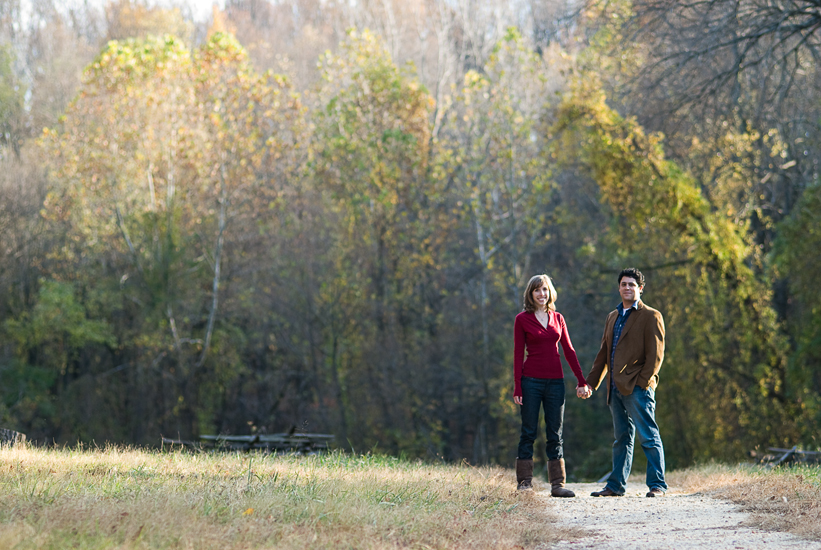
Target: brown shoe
524 474
606 492
655 493
556 475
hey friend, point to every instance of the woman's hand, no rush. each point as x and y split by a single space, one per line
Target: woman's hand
517 399
583 392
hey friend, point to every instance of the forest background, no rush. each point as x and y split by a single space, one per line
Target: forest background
320 215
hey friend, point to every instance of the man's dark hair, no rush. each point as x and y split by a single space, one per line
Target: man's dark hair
634 273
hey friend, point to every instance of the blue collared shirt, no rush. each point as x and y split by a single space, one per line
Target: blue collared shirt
617 328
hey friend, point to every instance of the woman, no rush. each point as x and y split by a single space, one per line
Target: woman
539 380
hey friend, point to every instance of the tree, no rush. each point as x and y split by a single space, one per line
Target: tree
11 104
50 340
795 256
136 19
372 158
492 151
724 338
726 39
157 156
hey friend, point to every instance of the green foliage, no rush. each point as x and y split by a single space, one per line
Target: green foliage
166 159
796 257
58 324
726 362
50 340
351 260
371 149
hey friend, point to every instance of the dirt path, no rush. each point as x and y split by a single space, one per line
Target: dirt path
678 521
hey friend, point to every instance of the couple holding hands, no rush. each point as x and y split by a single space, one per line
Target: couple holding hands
630 356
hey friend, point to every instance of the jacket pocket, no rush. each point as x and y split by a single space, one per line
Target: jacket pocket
631 367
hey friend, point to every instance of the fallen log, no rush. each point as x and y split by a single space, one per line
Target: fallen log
304 443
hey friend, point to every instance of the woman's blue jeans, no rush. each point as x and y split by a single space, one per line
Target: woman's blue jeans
635 414
538 392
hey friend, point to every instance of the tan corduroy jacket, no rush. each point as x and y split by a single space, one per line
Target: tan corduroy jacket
639 352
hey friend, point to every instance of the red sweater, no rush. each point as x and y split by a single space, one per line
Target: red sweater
542 344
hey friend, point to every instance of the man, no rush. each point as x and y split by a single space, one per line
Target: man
632 349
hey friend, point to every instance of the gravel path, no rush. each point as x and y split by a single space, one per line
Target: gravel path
678 521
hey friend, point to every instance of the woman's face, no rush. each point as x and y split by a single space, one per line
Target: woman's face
540 296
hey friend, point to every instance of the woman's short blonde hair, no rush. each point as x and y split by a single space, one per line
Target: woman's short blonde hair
536 282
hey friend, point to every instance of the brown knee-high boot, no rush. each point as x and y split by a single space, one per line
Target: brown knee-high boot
556 475
524 474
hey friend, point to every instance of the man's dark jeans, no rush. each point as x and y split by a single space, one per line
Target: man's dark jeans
535 393
635 414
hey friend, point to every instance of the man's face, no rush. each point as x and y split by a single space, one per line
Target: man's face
629 289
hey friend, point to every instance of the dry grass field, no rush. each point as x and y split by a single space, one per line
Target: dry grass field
782 499
129 498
